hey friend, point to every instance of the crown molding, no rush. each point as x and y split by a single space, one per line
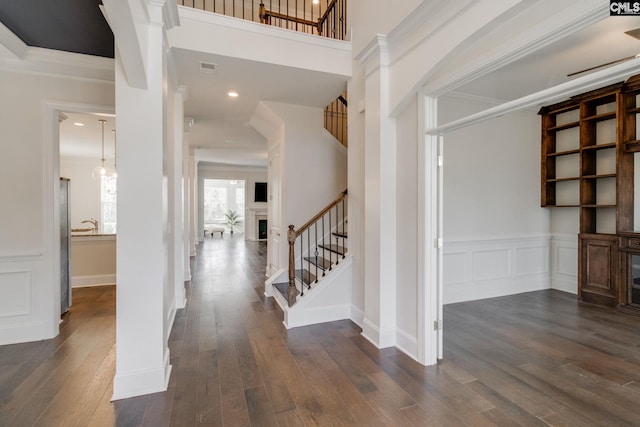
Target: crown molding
58 63
375 54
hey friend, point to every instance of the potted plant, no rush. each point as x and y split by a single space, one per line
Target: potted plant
232 219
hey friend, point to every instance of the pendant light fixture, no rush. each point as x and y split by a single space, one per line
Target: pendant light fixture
102 169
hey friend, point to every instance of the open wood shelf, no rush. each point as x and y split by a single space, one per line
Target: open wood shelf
571 178
600 117
606 175
565 126
599 146
563 153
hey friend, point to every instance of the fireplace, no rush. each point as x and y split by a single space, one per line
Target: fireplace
262 229
257 227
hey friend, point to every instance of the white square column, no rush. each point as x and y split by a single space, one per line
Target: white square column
379 324
144 298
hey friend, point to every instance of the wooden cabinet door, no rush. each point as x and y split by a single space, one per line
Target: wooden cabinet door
598 269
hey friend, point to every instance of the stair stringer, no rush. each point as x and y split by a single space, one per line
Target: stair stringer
326 301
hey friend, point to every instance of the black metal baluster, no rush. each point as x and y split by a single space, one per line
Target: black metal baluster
343 230
337 232
330 252
324 257
316 252
309 256
301 255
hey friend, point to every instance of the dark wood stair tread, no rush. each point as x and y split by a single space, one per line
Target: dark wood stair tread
283 288
305 276
335 248
322 263
340 234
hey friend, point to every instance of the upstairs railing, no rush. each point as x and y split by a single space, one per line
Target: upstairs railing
335 119
321 245
327 18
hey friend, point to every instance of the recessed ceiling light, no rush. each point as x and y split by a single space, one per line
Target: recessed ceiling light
79 124
316 1
232 94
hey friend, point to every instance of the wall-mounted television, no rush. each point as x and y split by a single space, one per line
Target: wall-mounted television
261 192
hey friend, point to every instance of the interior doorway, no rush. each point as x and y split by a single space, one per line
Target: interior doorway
224 206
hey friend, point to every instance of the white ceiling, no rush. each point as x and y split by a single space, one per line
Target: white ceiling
602 42
222 134
86 141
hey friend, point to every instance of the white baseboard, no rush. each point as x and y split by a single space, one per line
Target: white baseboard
376 336
142 382
407 343
357 316
97 280
20 333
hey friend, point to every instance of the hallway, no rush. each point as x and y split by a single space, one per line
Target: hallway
532 359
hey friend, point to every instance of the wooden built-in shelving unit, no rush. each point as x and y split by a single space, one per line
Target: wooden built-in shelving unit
587 163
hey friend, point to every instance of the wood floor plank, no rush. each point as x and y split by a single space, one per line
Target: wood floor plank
259 407
539 358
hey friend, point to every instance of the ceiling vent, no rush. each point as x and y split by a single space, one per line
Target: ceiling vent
207 67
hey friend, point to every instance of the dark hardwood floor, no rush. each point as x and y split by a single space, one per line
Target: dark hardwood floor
533 359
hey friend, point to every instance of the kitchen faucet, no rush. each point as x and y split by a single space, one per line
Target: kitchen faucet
94 222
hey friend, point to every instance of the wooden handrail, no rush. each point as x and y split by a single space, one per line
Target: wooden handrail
326 13
268 14
320 214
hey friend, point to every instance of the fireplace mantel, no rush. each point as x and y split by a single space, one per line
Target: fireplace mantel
251 226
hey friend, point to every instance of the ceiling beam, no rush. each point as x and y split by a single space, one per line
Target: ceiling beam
12 42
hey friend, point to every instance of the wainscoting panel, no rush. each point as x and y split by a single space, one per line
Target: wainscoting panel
533 260
15 288
477 269
564 262
24 298
490 264
457 267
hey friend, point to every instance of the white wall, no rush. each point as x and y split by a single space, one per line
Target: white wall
29 274
372 17
407 226
496 235
313 165
84 192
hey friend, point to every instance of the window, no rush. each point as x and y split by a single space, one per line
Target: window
108 208
221 196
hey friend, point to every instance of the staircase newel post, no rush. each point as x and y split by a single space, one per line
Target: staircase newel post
293 292
263 14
